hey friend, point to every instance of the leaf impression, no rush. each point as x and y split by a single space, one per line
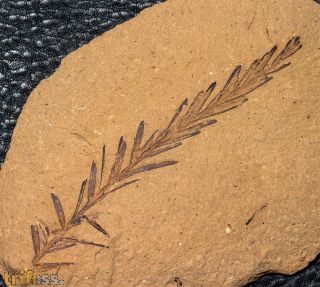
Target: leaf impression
96 225
59 210
35 239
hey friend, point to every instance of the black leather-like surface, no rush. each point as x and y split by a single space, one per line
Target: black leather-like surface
308 277
36 34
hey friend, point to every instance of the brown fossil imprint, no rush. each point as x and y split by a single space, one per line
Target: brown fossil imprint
188 121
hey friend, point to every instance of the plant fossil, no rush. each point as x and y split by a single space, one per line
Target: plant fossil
188 121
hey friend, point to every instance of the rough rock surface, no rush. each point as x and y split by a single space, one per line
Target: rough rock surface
188 220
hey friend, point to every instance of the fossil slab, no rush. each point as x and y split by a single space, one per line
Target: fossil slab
228 183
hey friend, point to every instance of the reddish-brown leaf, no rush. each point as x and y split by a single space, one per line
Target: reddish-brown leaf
227 89
96 225
43 232
200 100
137 142
201 125
152 166
119 157
61 246
164 149
233 79
35 239
185 135
264 60
149 142
84 242
251 87
225 107
117 188
80 198
181 108
124 185
92 244
175 120
103 164
59 210
92 181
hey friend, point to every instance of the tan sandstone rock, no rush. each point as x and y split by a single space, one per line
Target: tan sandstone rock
243 197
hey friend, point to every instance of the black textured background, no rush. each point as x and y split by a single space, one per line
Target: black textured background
36 34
